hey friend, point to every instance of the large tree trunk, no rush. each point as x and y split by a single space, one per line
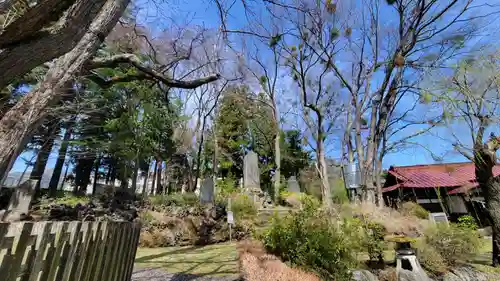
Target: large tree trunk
277 163
485 160
145 183
19 124
326 195
153 183
158 177
61 158
83 170
33 39
323 174
135 174
96 175
43 154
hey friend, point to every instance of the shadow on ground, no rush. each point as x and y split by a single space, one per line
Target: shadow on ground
187 263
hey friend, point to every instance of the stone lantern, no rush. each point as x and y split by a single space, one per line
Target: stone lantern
406 258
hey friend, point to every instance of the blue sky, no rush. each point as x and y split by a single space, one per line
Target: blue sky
158 15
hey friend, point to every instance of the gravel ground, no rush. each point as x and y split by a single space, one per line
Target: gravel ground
152 274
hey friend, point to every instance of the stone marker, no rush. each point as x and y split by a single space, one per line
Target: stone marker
293 185
20 201
251 173
207 191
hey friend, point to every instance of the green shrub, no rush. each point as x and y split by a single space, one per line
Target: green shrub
430 259
226 187
374 241
338 191
63 199
414 209
176 199
146 218
310 240
454 244
243 207
467 222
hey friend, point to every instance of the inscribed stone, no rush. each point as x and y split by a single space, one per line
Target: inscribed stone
251 174
207 191
293 185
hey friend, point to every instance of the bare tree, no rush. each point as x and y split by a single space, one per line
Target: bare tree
376 60
470 97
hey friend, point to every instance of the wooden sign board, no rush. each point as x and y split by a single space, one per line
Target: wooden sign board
438 218
230 218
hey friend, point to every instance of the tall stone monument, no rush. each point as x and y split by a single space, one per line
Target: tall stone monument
293 185
251 173
207 195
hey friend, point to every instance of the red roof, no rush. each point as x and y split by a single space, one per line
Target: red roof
436 175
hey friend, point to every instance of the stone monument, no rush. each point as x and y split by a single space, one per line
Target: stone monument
251 176
207 191
293 185
251 172
20 201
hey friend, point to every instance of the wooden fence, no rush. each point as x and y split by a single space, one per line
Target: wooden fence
68 251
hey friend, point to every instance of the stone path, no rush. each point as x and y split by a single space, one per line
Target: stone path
152 274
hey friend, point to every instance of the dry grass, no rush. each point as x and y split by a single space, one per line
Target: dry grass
393 221
256 265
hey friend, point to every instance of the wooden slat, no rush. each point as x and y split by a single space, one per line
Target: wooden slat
111 255
136 229
104 237
21 245
68 251
128 240
42 242
58 253
92 252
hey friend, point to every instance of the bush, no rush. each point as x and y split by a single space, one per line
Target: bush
310 240
226 187
374 241
454 244
291 199
430 259
146 218
467 222
175 199
414 209
63 199
243 207
338 191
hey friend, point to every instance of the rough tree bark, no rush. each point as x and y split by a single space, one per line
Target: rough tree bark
145 183
322 167
277 149
158 177
135 174
153 183
485 159
96 174
18 125
32 39
323 174
61 158
43 154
